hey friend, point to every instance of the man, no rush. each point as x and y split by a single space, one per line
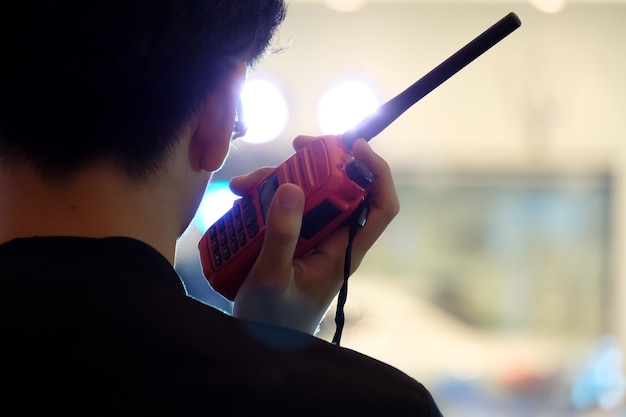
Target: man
113 115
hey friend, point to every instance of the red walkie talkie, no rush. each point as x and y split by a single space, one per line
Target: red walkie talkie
334 182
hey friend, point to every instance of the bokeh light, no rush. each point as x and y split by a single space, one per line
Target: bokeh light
264 111
345 105
601 382
549 6
217 200
345 5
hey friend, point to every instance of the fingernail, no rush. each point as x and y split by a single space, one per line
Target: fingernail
290 198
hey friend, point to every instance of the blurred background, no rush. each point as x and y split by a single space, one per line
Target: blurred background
501 285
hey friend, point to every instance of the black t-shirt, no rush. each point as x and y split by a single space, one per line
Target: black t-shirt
95 326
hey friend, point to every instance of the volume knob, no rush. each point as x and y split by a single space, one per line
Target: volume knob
359 173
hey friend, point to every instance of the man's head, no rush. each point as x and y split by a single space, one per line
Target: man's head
83 82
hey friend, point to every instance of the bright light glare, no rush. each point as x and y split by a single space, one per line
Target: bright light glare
549 6
217 200
264 111
345 5
344 106
601 381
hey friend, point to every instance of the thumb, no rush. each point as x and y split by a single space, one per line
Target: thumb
282 229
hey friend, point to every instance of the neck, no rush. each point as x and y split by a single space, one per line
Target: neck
100 202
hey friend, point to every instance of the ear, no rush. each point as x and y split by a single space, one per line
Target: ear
214 121
210 139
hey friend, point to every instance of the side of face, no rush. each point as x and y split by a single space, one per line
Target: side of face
207 142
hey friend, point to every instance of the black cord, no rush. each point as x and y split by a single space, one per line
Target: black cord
340 318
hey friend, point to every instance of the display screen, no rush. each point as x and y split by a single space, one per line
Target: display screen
266 191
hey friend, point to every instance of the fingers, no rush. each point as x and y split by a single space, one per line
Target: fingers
295 293
300 141
382 198
244 183
268 295
382 190
282 229
320 274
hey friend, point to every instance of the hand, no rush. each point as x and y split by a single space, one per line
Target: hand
296 293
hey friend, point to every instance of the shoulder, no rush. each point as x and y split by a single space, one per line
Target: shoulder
295 368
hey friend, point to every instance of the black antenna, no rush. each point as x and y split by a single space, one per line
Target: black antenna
391 110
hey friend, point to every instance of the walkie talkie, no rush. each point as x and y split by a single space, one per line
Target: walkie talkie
334 182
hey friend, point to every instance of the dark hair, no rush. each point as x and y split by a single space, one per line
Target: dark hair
116 79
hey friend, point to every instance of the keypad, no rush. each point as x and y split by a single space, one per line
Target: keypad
234 230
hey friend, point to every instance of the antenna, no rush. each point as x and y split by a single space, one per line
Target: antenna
394 108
